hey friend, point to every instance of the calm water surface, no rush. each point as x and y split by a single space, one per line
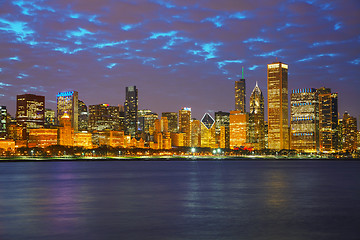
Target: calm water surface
180 200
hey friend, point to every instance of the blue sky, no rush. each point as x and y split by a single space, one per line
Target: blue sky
178 53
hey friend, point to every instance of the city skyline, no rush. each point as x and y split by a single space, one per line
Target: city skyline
177 53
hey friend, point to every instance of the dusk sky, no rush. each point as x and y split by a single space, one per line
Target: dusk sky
178 53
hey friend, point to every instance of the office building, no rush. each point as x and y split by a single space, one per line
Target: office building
240 95
328 120
208 131
172 118
83 116
238 129
222 129
349 130
67 102
3 121
131 110
30 110
42 137
50 120
278 129
102 117
304 120
195 133
256 119
185 125
65 131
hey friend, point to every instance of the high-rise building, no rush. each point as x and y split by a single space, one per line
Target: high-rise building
67 102
30 110
349 130
256 119
3 121
328 120
277 82
65 131
83 116
131 110
172 118
146 124
185 125
208 131
103 116
240 95
222 127
195 133
49 118
238 129
304 121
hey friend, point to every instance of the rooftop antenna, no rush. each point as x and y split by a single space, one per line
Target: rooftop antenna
242 73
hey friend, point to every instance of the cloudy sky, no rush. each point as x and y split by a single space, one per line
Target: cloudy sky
177 52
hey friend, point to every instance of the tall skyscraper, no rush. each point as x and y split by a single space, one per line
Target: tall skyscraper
304 121
131 110
240 94
256 119
172 121
328 120
30 110
83 116
349 132
195 133
65 131
238 129
49 118
185 125
222 127
208 131
277 82
67 102
3 121
103 116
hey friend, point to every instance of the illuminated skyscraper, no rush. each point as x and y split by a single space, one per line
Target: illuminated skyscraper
30 110
185 125
172 118
65 131
256 119
304 121
328 120
222 127
83 116
349 130
131 110
103 116
49 118
208 131
67 102
240 94
238 129
3 125
195 133
277 82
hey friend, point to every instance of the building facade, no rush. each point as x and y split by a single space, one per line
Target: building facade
131 110
83 116
172 118
3 121
208 131
222 127
30 110
349 130
304 120
256 119
278 129
102 117
67 102
238 129
185 125
240 95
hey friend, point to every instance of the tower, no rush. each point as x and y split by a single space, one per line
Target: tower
67 102
185 125
256 118
240 94
278 129
30 110
131 110
208 131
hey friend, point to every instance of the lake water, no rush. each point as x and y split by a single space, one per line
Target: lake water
180 200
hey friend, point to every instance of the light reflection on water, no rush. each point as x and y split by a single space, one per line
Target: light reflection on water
180 200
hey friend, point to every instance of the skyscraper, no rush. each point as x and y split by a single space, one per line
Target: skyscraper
222 126
172 121
83 116
67 102
349 132
256 119
185 125
3 125
328 120
238 129
304 121
277 82
103 116
195 133
240 94
208 131
30 110
49 118
131 110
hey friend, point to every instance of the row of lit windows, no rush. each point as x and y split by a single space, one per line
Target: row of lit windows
303 134
302 104
301 118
